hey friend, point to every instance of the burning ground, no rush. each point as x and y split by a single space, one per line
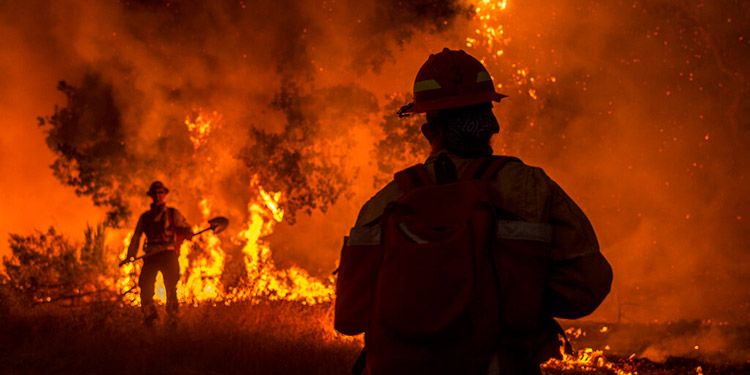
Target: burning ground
280 116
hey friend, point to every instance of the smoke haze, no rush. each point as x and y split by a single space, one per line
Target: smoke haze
638 110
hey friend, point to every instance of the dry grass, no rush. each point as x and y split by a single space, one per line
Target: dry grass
269 338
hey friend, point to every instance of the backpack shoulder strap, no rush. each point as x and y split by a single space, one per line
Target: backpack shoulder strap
170 213
413 177
484 169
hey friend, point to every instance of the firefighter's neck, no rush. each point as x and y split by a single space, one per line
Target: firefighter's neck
158 201
435 137
437 145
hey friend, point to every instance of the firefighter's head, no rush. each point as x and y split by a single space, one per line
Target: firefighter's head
456 92
158 192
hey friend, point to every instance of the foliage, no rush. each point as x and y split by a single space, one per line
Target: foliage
283 338
306 161
243 338
89 141
403 144
47 267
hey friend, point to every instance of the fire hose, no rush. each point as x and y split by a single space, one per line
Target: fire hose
217 225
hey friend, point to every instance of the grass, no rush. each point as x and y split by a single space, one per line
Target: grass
287 338
269 338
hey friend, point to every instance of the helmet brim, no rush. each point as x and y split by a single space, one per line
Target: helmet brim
454 102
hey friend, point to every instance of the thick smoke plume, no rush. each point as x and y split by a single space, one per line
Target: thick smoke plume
638 109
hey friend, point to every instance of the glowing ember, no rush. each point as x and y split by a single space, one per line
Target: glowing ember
584 360
489 42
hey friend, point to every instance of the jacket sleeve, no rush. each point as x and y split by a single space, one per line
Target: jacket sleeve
579 277
359 264
135 241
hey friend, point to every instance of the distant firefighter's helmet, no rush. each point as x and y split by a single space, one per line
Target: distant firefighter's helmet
156 185
451 79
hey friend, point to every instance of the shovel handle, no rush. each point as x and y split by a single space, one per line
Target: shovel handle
212 227
204 230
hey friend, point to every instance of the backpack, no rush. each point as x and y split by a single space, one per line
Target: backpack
423 284
156 232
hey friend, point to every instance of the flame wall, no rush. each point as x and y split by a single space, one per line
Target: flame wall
638 109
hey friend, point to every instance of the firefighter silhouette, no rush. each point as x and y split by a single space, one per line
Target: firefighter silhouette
165 229
460 264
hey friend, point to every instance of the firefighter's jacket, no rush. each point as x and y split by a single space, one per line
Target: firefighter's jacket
165 229
577 276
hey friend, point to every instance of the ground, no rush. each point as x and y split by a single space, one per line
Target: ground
291 338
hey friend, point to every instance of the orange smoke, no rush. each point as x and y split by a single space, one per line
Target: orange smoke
637 109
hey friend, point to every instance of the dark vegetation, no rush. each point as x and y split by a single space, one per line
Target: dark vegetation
306 161
100 152
95 150
48 267
243 338
108 338
89 140
402 144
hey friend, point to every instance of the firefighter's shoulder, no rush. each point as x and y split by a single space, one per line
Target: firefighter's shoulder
175 211
521 189
373 209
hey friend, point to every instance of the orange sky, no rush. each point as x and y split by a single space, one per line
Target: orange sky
31 197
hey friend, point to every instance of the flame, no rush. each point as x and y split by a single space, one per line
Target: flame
201 280
200 128
294 284
202 259
587 359
575 332
127 282
202 265
205 207
584 360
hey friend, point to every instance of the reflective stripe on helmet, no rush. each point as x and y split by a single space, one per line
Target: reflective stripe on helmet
429 84
483 76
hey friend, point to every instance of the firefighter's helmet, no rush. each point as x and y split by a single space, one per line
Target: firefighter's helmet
451 79
156 185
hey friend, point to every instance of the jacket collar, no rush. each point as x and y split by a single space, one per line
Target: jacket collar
158 207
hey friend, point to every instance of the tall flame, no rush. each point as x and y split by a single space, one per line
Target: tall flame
201 272
293 284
